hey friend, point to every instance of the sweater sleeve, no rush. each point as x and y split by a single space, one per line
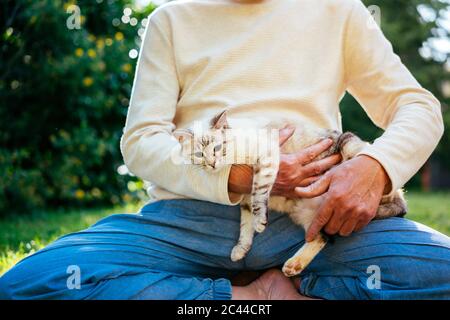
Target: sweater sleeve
147 142
392 98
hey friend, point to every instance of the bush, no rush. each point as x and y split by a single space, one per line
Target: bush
64 96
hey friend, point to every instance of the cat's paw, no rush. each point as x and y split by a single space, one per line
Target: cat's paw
260 223
292 267
238 253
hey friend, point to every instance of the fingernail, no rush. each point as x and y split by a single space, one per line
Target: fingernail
301 190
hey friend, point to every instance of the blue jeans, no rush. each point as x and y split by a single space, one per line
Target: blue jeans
180 249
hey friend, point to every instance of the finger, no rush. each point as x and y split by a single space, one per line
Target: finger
308 181
316 189
348 227
320 166
361 225
309 154
323 216
335 223
285 134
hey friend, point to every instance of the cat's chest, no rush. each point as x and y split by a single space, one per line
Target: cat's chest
248 146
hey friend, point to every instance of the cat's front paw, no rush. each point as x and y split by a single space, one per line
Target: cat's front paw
238 253
260 223
292 267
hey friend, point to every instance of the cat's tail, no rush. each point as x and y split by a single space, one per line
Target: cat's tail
394 206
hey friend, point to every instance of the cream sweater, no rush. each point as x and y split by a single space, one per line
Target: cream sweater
290 59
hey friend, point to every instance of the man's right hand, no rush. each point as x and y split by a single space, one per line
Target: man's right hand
300 169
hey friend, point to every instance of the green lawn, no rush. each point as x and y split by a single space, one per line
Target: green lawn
22 235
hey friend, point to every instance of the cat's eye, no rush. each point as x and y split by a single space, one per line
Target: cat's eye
198 154
217 148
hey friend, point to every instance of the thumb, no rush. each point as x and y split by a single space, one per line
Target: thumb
285 134
316 189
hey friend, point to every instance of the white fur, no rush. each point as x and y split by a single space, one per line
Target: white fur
254 207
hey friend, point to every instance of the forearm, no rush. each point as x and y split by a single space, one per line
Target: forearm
155 158
393 99
240 180
407 142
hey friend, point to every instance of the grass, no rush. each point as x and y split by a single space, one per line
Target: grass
432 209
23 235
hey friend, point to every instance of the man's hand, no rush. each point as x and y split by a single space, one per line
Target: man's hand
353 191
301 168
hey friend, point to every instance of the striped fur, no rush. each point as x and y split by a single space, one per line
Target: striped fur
255 207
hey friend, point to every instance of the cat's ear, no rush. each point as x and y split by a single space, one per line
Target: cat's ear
220 121
183 134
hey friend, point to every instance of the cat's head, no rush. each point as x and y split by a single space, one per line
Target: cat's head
206 148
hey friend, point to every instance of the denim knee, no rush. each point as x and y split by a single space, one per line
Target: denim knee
4 293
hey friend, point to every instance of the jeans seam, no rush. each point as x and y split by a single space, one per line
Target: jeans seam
345 264
321 292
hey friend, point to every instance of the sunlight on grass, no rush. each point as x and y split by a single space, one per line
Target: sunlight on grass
23 235
432 209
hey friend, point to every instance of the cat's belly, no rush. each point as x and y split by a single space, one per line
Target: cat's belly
301 211
281 204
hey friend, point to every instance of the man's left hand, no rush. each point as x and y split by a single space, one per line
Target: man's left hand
353 191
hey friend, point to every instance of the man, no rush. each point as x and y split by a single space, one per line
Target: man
268 58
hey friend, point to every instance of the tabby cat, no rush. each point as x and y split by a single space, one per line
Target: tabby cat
212 150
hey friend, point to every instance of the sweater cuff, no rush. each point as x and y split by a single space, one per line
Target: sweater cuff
388 166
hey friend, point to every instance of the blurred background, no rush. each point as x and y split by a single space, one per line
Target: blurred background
66 73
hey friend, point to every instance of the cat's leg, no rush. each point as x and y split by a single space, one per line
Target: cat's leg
350 145
303 257
303 214
246 234
264 176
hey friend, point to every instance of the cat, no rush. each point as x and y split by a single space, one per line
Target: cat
211 150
